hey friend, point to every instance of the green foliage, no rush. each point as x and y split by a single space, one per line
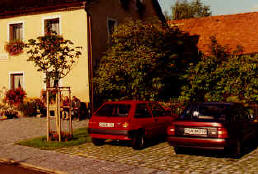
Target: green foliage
53 55
185 9
143 62
31 107
222 77
14 96
8 111
80 136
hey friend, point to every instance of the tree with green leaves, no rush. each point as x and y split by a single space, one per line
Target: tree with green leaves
53 55
143 62
223 76
184 9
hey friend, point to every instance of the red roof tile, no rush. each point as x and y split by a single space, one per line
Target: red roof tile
231 30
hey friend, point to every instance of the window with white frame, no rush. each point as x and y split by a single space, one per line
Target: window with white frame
52 26
16 80
16 32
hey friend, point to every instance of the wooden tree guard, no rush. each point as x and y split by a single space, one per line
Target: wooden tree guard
55 106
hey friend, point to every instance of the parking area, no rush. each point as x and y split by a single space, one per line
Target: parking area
114 157
162 157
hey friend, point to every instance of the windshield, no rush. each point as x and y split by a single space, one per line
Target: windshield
215 112
114 110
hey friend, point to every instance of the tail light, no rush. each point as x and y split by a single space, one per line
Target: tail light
125 125
171 130
222 132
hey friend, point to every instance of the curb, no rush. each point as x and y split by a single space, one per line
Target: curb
30 166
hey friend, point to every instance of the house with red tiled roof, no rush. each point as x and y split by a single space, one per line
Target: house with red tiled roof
230 30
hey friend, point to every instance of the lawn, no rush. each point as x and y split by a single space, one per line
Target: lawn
80 136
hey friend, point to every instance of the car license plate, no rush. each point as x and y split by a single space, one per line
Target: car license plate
195 131
101 124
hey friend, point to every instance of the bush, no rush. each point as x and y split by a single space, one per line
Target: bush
32 107
144 62
223 76
8 111
14 96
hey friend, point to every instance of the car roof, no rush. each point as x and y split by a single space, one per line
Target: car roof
128 102
215 103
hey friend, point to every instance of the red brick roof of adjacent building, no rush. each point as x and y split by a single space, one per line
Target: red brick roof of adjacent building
230 30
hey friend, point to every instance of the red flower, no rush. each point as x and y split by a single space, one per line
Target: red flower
14 47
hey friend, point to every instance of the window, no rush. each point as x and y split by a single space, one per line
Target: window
157 110
241 113
142 111
16 81
208 112
16 32
111 26
114 110
51 26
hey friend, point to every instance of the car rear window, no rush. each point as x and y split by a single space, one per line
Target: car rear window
114 110
204 112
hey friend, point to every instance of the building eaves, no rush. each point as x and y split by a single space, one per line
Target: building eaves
9 8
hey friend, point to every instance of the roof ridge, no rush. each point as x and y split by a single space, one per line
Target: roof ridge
218 16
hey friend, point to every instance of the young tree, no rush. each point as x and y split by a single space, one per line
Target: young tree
184 9
143 62
222 77
53 55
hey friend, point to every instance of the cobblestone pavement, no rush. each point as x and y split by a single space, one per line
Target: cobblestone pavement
115 157
15 130
163 157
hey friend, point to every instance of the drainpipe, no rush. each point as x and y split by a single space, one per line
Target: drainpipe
90 66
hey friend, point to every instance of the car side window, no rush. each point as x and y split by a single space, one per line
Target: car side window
157 110
245 114
240 113
142 111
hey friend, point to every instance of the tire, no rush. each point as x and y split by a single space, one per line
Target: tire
237 149
138 141
179 150
98 142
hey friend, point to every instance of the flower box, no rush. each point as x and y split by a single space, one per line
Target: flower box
14 48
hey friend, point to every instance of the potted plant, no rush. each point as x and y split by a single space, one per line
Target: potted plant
14 48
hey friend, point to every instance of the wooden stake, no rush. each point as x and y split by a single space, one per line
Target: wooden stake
48 119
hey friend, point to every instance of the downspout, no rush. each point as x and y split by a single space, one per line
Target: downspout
90 66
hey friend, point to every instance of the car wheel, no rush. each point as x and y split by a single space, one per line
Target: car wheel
98 142
237 149
138 141
179 150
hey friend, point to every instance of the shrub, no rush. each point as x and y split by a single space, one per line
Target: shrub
14 96
8 111
143 62
32 107
223 76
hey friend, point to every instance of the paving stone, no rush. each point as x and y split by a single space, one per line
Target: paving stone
15 130
114 157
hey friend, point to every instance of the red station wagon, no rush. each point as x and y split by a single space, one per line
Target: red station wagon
212 126
133 121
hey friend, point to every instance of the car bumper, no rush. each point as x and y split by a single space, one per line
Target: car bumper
109 134
200 143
